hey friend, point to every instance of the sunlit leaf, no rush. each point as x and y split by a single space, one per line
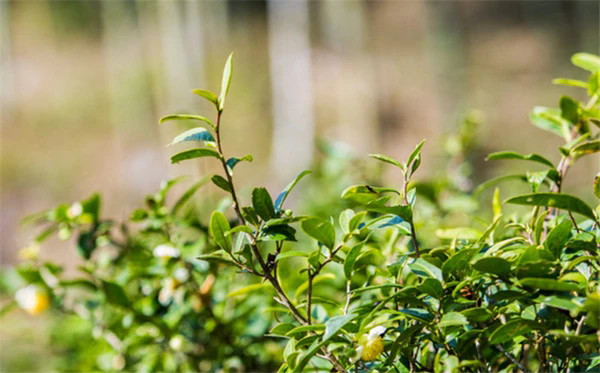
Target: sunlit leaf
560 201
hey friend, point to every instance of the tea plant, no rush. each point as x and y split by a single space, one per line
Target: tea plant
379 287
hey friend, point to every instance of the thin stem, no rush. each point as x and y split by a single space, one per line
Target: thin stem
510 357
236 206
309 296
413 233
348 297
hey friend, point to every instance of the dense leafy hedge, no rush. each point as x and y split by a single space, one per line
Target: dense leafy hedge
382 285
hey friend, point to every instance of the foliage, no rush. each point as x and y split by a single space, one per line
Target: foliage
388 284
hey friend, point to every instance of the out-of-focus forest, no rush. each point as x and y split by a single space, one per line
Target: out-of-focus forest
83 84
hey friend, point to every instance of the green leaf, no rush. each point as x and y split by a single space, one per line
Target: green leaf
586 61
477 314
188 194
262 288
351 259
184 117
291 254
571 82
226 81
403 211
386 159
332 326
218 256
597 185
284 194
560 201
431 286
207 95
508 331
221 182
282 329
364 194
485 185
231 162
569 109
452 318
344 220
278 233
115 294
549 119
494 265
250 215
548 284
458 262
463 233
335 324
194 153
219 226
194 134
589 147
558 237
263 204
423 268
415 153
321 230
238 229
514 155
558 302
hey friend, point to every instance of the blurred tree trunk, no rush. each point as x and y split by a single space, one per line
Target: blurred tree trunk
291 82
345 33
128 83
6 74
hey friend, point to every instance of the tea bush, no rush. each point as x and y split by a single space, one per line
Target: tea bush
383 285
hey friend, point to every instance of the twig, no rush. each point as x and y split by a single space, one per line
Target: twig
510 357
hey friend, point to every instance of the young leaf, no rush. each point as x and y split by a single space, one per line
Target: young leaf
321 230
207 95
415 153
263 204
386 159
219 226
194 134
226 81
250 215
590 147
560 201
184 117
231 162
569 109
283 195
514 155
194 153
351 259
586 61
570 82
558 237
597 185
221 182
549 119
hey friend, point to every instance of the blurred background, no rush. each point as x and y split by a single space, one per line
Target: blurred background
83 84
